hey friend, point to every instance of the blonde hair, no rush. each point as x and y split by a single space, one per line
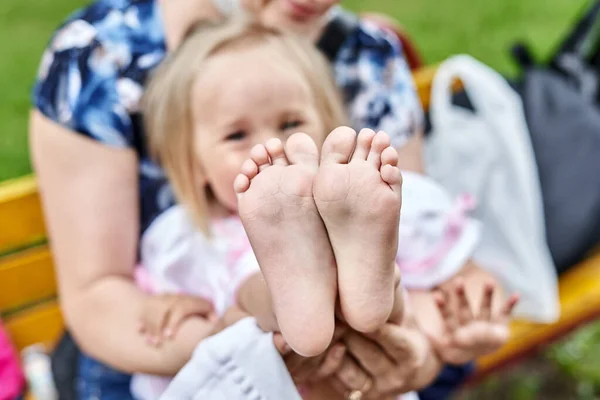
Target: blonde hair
167 105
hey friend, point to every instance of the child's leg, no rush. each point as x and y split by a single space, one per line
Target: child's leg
358 194
277 208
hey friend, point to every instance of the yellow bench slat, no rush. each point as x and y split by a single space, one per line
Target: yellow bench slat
423 79
41 324
21 219
26 277
580 302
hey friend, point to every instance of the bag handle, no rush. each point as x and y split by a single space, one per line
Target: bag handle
485 87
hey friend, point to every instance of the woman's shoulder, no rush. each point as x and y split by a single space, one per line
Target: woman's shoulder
368 32
373 73
369 45
91 75
110 33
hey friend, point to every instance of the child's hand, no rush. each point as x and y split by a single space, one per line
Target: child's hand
163 314
471 334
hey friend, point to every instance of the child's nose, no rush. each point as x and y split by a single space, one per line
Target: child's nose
265 135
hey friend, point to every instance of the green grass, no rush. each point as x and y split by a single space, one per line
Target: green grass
25 26
484 29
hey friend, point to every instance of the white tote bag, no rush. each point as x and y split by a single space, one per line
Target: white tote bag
488 154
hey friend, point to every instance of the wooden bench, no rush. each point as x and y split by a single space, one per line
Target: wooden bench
28 292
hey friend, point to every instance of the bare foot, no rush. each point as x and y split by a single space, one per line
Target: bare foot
358 194
276 206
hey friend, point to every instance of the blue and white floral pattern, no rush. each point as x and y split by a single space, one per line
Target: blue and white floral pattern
92 75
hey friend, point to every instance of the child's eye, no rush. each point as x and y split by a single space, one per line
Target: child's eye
236 136
290 125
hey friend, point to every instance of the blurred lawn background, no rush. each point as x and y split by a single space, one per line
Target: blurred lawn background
484 29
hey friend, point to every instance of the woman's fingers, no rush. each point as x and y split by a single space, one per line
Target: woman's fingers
333 362
280 344
306 369
371 394
353 377
393 342
312 368
339 386
302 368
369 355
397 314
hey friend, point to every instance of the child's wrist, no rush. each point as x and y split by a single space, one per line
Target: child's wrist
244 296
253 297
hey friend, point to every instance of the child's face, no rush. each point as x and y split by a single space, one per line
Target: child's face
242 98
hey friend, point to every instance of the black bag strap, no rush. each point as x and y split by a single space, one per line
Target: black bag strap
523 56
584 39
339 27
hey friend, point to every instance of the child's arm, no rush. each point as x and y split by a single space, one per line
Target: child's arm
254 297
163 314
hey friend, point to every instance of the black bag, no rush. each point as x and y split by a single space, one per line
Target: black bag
565 135
562 108
578 56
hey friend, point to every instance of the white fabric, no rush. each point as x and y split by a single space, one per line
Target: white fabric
177 258
181 259
226 7
240 363
430 251
489 155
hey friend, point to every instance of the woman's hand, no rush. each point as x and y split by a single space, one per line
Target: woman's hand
308 370
393 361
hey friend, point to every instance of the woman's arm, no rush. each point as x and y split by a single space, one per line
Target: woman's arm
90 199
